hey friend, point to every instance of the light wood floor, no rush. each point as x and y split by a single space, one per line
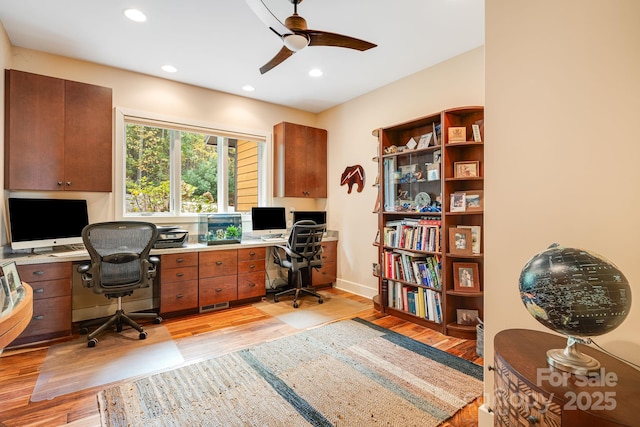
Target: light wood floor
237 328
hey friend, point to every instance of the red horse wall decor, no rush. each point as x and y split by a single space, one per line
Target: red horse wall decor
353 175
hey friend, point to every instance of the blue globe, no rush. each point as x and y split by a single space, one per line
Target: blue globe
574 291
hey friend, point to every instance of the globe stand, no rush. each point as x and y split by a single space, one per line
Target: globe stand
571 359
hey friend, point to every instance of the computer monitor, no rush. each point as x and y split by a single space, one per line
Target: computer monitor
44 223
268 220
319 217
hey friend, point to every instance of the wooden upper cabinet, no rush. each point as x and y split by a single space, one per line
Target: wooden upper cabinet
58 134
300 161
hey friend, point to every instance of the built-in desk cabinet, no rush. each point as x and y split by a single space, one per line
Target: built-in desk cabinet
58 134
178 280
51 284
251 273
326 275
218 278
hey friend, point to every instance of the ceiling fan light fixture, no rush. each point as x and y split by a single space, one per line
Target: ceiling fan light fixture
295 42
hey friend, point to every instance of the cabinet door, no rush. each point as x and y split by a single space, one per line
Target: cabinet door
34 132
88 136
300 164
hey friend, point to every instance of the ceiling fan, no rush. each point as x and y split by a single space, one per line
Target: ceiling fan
296 36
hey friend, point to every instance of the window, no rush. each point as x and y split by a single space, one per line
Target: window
171 169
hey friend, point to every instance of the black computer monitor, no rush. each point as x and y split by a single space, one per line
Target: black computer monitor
319 217
268 220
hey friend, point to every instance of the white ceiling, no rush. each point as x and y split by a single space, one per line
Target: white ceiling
221 44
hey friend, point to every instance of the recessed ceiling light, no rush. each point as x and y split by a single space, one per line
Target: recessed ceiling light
248 88
169 68
135 15
315 72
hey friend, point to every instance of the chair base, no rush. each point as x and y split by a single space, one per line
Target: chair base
297 291
119 319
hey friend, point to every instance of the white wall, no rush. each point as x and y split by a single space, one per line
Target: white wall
454 83
562 148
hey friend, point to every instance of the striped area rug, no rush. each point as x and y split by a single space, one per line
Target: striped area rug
348 373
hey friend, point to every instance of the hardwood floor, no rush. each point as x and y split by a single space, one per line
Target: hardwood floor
236 328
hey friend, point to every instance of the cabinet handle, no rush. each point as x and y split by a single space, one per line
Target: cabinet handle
252 266
68 183
252 285
252 253
179 260
218 262
179 296
38 273
37 317
179 274
59 183
38 291
218 289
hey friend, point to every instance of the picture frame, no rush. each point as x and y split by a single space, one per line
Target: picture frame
466 169
460 241
425 140
458 202
467 317
476 236
477 136
466 277
457 134
12 279
474 200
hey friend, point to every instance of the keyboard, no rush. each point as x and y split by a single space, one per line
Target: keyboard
271 237
70 253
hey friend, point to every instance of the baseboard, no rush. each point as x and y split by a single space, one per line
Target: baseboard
356 288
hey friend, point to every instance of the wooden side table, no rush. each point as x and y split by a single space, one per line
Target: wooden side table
12 324
528 392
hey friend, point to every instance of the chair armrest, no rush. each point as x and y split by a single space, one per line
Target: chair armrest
83 268
154 260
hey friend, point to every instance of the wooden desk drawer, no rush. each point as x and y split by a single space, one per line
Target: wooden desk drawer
178 260
325 275
251 285
49 316
329 251
218 263
251 254
179 274
250 266
39 272
51 288
218 289
179 296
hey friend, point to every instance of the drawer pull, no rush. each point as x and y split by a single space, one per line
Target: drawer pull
252 253
179 274
38 273
179 296
252 266
218 262
252 285
218 289
38 317
179 259
38 291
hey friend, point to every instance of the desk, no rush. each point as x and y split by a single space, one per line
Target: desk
189 290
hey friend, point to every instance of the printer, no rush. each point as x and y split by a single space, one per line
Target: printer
171 237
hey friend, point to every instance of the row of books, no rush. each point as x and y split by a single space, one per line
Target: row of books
424 303
415 234
413 268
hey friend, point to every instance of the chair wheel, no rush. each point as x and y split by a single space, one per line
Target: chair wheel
295 305
84 331
157 320
92 342
320 301
143 335
275 298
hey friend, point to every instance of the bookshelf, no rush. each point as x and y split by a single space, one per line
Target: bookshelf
431 186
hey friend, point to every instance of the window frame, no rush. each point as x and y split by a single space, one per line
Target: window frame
265 161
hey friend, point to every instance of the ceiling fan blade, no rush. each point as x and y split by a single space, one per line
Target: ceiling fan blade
269 19
323 38
283 54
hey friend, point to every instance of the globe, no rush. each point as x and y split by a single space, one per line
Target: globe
574 291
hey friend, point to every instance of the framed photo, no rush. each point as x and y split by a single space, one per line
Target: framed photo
12 278
477 137
467 317
425 140
466 169
457 134
474 200
460 241
466 277
458 202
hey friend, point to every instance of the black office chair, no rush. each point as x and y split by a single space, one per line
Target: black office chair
120 263
302 253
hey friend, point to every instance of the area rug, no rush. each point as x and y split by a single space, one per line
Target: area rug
72 366
310 313
347 373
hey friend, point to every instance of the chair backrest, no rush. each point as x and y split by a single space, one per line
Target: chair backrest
305 244
119 252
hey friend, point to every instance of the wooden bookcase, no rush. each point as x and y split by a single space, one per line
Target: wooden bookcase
417 265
